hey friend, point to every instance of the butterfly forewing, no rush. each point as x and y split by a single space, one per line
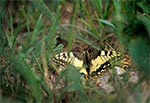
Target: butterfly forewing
65 58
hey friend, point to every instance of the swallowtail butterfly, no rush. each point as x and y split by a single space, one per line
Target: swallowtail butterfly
88 66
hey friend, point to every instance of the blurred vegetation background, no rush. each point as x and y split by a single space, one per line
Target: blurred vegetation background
32 32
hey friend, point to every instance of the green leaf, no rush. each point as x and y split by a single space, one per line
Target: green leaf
139 50
146 21
73 78
107 23
37 28
29 75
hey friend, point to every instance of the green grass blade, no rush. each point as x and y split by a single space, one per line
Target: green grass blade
37 29
29 75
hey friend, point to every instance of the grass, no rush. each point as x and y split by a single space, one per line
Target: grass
32 32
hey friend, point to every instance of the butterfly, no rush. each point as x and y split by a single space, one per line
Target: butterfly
88 66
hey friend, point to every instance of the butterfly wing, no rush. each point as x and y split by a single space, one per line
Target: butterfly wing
66 58
102 61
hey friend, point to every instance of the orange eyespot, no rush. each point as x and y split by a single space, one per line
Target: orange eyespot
85 76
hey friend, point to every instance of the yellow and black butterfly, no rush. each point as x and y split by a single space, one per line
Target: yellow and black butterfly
88 66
